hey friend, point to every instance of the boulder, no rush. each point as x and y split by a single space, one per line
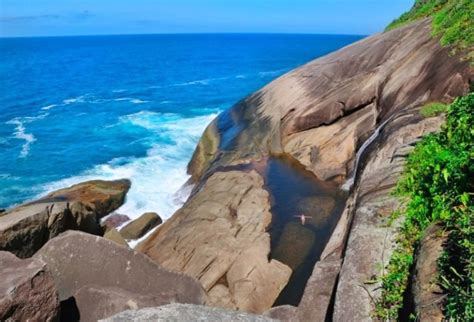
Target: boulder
427 293
27 290
113 235
77 260
220 238
24 229
115 220
186 312
140 226
321 113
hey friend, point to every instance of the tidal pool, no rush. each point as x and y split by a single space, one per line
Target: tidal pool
295 191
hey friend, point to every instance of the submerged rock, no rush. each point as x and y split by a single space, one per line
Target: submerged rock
186 312
219 237
140 226
24 229
77 260
27 290
294 245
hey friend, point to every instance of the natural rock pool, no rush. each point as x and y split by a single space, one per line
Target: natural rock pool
295 191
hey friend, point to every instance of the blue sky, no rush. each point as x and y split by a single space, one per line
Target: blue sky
93 17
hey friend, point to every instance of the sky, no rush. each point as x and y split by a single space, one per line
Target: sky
20 18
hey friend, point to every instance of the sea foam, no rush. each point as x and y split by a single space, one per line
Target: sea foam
158 178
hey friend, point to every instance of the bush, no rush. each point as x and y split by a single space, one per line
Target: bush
438 182
452 21
433 109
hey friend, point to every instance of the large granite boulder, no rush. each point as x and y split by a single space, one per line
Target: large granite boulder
186 312
140 226
24 229
123 277
27 290
321 113
219 237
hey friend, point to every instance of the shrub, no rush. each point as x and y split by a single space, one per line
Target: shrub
438 182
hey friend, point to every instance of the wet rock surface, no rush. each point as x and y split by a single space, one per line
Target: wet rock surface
77 260
27 290
186 312
24 229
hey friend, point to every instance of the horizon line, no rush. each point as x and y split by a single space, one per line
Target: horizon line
188 33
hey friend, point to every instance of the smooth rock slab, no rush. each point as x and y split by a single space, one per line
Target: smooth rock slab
27 290
220 237
186 312
78 259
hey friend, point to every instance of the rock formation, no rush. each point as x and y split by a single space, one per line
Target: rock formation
319 116
27 290
185 312
220 238
24 229
140 226
88 267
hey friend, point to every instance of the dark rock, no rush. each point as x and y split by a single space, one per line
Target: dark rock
140 226
27 290
115 220
24 229
427 293
186 312
78 259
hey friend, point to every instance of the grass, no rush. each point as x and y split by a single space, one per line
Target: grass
433 109
452 21
438 184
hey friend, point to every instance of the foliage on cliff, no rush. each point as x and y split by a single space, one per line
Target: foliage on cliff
438 184
452 20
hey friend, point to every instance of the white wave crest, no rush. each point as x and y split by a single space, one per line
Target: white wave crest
21 134
158 177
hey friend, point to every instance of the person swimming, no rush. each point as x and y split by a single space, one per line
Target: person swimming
303 217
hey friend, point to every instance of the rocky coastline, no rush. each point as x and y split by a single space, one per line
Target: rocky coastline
237 244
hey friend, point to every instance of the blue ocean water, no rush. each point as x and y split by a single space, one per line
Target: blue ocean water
79 108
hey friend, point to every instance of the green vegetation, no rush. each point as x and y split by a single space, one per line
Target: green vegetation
438 185
433 109
452 20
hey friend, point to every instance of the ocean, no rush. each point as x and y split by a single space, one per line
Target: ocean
109 107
